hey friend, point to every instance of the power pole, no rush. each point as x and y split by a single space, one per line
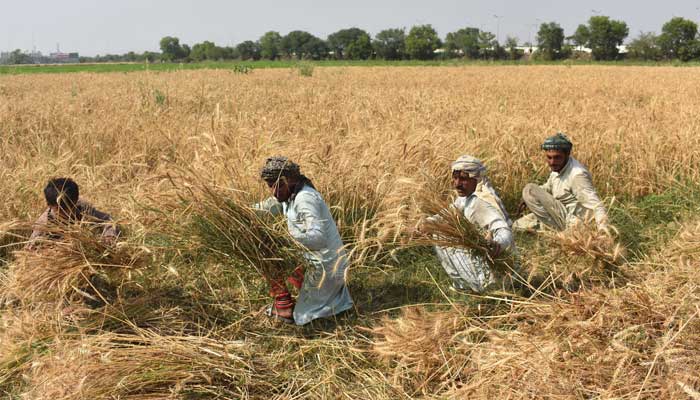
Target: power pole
498 27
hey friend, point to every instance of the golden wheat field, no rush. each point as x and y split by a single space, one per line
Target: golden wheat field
178 320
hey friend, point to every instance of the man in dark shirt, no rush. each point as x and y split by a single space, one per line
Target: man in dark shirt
65 208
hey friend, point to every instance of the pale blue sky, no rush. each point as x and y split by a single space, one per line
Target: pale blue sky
98 27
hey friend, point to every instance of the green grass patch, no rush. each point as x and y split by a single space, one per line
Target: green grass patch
244 67
650 221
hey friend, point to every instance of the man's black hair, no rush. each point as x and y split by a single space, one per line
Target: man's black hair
62 192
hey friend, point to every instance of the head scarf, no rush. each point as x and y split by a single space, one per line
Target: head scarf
471 165
278 166
558 142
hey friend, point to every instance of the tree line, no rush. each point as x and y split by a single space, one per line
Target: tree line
600 38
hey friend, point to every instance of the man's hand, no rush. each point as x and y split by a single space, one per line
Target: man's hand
522 207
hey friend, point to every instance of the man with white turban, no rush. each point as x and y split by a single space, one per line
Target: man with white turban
567 197
481 206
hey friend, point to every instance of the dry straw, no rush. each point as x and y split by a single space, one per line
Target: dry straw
145 366
580 256
635 341
64 269
354 131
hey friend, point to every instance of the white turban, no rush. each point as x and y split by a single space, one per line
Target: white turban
471 165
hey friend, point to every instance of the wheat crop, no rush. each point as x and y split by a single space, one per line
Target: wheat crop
182 317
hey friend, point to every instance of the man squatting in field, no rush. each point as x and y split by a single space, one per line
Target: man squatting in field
567 197
481 206
322 289
65 208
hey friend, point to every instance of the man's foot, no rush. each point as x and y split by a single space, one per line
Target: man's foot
285 316
282 309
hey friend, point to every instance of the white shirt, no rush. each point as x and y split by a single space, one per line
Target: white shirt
486 217
573 187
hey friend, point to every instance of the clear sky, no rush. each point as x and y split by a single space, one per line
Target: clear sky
98 27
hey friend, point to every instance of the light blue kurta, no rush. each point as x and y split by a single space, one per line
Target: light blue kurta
324 292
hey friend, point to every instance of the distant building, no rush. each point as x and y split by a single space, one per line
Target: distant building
531 49
527 49
36 57
64 58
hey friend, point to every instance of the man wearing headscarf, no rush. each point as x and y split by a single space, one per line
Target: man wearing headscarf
484 189
568 195
478 200
322 289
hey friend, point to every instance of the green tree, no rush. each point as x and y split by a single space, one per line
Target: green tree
293 41
303 45
314 49
512 45
581 36
215 53
271 45
150 56
678 39
360 49
248 50
229 52
206 51
390 44
339 42
644 47
488 45
19 57
421 42
463 42
550 39
605 35
171 49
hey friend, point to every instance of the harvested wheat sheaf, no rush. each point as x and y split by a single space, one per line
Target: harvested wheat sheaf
59 271
228 225
581 256
143 365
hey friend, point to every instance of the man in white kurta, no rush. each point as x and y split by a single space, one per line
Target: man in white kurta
567 197
481 206
323 291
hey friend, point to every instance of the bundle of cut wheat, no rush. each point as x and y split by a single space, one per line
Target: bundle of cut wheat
583 238
227 226
72 265
579 256
12 235
418 348
145 365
